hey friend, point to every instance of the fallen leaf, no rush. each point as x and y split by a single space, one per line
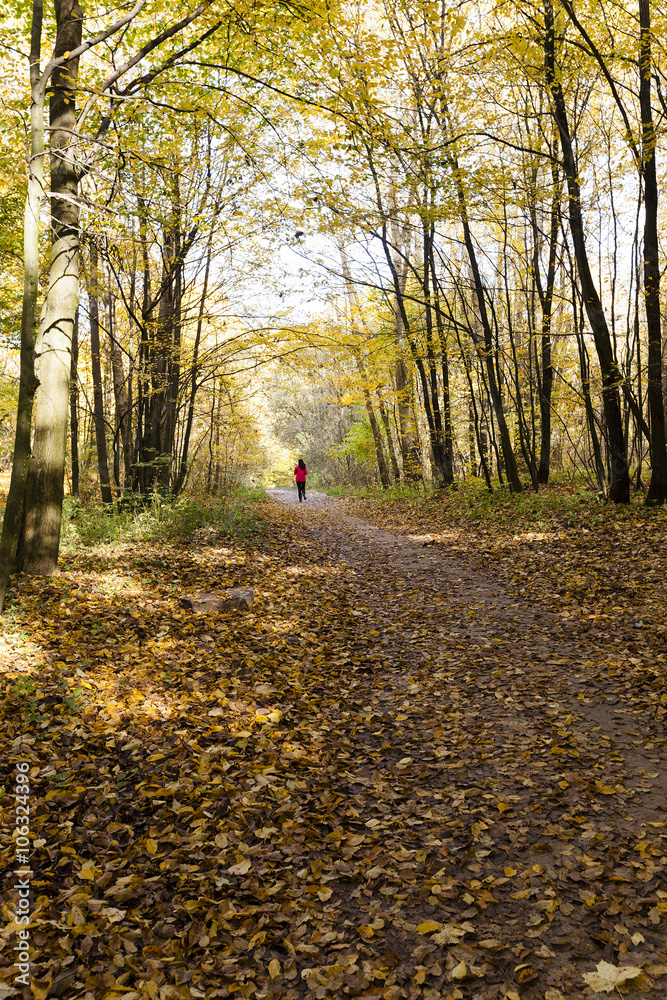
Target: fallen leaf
607 977
459 971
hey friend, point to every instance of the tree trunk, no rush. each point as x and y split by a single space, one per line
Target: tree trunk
657 492
372 420
543 359
488 352
412 470
122 407
74 408
619 486
44 489
390 442
13 518
368 401
173 344
441 454
98 397
183 464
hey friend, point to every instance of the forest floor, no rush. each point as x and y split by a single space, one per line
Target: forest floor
429 762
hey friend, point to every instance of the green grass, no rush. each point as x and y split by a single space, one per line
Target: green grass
179 520
561 503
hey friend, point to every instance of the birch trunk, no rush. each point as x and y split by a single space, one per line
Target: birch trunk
13 519
44 489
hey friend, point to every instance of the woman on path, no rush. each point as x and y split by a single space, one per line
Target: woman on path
300 473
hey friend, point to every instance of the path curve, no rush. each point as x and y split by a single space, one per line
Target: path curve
571 779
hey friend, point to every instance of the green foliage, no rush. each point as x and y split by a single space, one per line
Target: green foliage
24 690
358 444
561 504
185 519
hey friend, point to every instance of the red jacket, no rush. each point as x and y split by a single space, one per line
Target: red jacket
300 474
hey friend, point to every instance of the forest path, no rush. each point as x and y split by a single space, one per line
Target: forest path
395 776
495 713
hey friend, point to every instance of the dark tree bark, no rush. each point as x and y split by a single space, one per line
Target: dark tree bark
619 485
183 462
74 408
657 491
441 446
122 407
488 351
545 291
96 366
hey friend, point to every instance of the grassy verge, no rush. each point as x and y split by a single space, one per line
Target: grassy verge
180 520
469 503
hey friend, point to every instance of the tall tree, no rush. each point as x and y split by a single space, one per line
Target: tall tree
619 486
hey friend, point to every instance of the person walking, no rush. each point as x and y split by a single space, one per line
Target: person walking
300 473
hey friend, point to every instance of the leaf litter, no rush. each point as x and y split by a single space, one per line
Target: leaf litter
396 776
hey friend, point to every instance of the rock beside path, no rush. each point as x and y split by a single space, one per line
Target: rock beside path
237 599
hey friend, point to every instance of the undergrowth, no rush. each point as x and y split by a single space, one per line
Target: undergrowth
560 503
182 519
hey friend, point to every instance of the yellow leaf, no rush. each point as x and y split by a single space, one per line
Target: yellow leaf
324 894
428 927
275 716
605 789
503 806
274 968
513 995
151 846
607 977
366 931
452 933
460 971
510 871
88 874
241 868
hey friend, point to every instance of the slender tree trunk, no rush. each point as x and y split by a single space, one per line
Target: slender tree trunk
441 455
488 352
390 441
372 420
14 510
544 363
412 470
98 397
657 492
183 465
74 408
122 407
44 488
368 401
619 486
172 344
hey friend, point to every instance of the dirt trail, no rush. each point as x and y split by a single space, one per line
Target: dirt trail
554 781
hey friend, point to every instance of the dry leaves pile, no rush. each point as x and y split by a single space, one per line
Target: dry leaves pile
392 778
